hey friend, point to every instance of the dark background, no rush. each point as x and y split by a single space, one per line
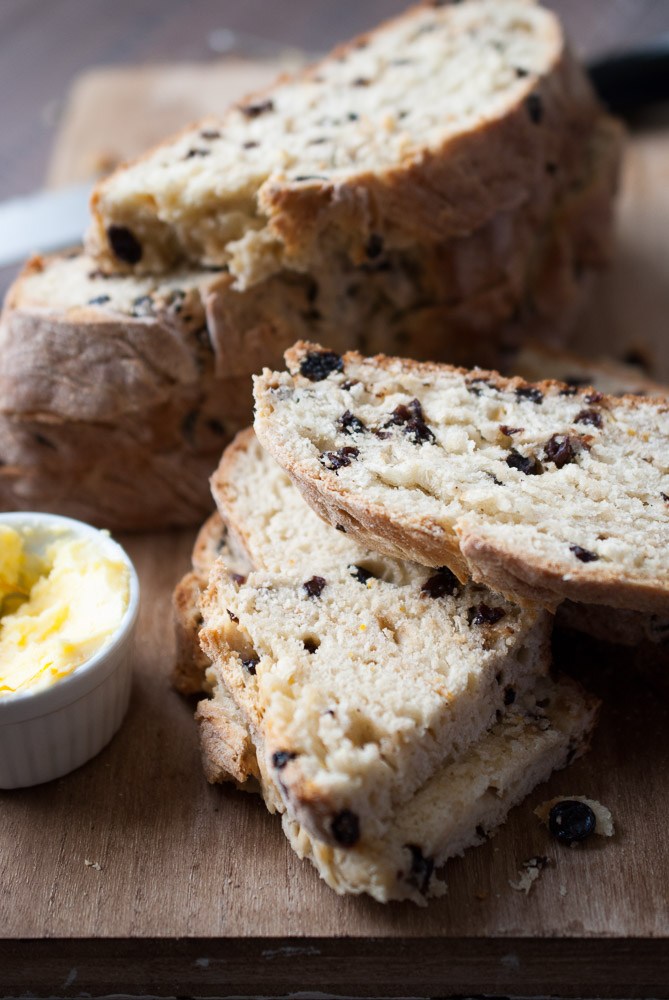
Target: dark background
45 43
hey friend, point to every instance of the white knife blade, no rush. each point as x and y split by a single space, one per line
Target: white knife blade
42 222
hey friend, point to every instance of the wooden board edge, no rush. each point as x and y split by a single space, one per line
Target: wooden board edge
570 967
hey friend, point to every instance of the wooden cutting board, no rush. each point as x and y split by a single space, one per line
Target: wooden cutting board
197 892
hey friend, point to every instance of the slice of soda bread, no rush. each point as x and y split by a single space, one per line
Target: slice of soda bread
459 806
541 491
111 408
535 362
110 384
419 131
318 644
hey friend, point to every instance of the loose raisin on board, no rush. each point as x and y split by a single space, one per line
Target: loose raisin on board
317 365
443 583
571 821
585 555
124 244
315 586
345 828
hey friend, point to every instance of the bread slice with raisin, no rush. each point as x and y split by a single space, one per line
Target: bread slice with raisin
420 131
110 384
542 491
536 362
111 408
358 674
460 806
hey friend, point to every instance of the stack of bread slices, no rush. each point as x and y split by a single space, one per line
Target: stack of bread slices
439 187
374 598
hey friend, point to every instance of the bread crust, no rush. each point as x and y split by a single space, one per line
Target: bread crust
468 550
443 191
112 418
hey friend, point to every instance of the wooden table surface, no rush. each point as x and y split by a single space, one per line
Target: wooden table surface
198 892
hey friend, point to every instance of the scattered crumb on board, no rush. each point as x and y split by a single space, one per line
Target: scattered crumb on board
529 873
93 864
604 825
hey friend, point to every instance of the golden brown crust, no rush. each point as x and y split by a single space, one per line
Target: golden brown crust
191 663
442 193
467 550
108 417
226 746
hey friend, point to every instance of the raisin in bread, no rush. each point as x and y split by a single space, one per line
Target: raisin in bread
86 452
464 802
460 300
459 806
542 491
420 131
359 673
536 362
110 406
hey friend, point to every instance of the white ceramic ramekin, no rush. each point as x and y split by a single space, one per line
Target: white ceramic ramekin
48 732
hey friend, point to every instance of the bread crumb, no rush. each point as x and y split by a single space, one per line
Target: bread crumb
529 873
563 890
604 820
93 864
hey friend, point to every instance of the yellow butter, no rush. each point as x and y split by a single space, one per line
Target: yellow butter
55 614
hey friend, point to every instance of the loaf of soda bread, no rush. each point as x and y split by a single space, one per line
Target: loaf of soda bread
420 131
466 798
462 804
104 376
111 409
313 645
